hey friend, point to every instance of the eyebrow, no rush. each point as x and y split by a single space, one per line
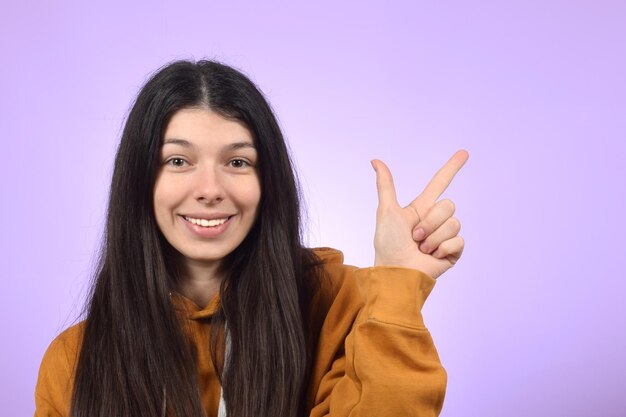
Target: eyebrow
231 147
181 142
240 145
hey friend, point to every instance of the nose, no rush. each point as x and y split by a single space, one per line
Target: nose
208 186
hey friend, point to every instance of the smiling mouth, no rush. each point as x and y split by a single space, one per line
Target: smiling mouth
205 222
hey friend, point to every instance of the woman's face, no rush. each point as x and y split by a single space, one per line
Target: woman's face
207 189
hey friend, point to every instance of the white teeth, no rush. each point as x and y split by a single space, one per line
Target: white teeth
205 222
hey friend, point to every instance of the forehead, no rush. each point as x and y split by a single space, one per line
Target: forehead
201 126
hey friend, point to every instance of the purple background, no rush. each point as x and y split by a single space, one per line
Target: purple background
530 322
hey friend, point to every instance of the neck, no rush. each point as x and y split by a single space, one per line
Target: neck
200 282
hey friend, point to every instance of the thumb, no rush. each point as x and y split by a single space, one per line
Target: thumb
384 184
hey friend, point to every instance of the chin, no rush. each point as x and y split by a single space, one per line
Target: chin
207 256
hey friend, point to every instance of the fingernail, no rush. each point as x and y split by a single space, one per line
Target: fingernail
419 234
372 162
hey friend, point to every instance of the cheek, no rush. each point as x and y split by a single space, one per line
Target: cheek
166 196
254 195
245 193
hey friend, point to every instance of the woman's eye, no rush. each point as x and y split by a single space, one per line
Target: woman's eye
176 162
239 163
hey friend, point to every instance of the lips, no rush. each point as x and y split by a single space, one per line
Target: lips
207 226
206 222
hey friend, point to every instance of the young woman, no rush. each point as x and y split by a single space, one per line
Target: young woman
206 303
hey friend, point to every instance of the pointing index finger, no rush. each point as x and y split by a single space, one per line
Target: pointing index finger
441 180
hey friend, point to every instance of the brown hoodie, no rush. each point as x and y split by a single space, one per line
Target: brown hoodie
374 356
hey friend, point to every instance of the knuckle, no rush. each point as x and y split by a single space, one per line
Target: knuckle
449 205
428 227
455 224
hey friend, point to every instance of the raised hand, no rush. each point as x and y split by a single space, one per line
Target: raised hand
424 234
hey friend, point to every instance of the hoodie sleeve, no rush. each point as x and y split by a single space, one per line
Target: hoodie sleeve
55 381
375 356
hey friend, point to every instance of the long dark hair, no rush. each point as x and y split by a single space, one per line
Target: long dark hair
136 358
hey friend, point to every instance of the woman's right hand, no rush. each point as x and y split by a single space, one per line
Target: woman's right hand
424 234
